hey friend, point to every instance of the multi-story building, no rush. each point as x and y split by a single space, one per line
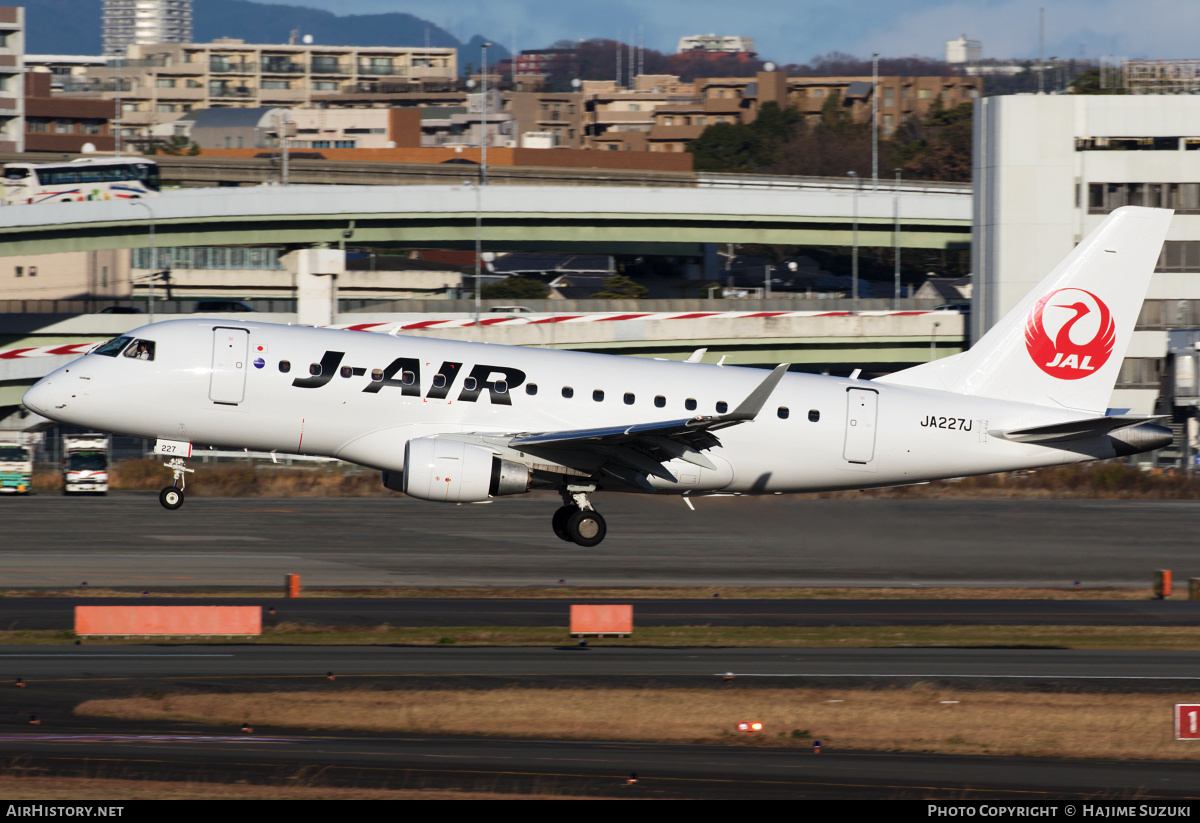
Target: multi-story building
159 83
717 44
547 61
64 124
12 84
1048 168
127 22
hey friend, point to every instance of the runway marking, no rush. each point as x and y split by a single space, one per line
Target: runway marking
135 738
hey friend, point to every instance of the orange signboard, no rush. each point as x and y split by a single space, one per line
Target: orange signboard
168 620
601 620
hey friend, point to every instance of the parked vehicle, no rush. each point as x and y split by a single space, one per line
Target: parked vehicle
85 463
16 465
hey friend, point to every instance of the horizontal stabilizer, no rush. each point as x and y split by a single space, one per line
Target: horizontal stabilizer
1074 429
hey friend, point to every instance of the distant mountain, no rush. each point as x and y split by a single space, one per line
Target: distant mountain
73 27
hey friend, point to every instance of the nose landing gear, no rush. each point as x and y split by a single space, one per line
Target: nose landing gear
576 521
171 497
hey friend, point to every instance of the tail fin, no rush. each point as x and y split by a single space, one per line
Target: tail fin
1063 344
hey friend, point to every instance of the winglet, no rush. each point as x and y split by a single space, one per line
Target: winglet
696 356
752 405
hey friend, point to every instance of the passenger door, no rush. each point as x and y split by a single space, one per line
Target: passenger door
230 347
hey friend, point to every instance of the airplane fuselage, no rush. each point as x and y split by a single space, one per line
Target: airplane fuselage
362 396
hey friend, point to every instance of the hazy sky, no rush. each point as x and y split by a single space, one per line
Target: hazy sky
793 31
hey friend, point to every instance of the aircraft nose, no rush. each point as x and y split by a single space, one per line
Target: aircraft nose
40 398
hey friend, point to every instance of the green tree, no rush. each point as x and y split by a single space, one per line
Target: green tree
176 145
515 288
619 287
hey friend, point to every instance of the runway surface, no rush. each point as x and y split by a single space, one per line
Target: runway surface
59 678
57 613
127 539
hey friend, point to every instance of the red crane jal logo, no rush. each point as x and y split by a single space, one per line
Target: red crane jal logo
1070 334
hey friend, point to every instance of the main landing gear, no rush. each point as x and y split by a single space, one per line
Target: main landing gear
171 496
577 521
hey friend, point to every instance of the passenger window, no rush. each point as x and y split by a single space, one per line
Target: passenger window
629 398
531 388
598 395
814 415
285 366
314 369
568 392
346 371
660 401
783 412
141 350
113 347
690 404
470 384
722 407
376 375
500 387
439 381
408 378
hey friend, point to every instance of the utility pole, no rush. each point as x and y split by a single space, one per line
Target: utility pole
483 140
875 122
896 240
854 253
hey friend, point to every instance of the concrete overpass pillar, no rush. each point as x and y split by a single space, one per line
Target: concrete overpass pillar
314 274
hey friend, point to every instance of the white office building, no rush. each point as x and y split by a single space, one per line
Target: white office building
963 50
1048 168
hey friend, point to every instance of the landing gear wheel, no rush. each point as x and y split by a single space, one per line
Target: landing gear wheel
586 527
560 521
171 497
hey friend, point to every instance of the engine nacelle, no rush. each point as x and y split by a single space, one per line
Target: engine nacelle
451 471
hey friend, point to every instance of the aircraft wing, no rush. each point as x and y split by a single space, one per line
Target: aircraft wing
631 452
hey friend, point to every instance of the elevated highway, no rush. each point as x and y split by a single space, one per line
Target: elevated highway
608 219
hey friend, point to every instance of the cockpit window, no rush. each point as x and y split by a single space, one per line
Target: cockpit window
141 350
113 347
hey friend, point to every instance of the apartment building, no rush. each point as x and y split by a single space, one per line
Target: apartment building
64 124
127 22
12 84
159 83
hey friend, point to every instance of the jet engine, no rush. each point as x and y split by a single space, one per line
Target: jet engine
455 472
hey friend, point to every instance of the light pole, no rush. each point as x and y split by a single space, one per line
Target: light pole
478 245
854 253
483 140
933 342
153 254
896 240
767 281
875 121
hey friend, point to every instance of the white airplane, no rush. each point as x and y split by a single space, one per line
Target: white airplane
464 422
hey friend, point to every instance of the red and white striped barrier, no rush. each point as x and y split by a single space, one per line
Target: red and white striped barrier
530 320
76 349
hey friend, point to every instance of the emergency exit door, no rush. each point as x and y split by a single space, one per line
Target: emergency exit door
230 347
861 409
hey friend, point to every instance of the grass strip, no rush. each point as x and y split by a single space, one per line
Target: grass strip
1147 638
916 719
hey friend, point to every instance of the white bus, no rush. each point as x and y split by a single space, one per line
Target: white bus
91 178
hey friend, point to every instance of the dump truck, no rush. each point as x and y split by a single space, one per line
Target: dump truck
85 463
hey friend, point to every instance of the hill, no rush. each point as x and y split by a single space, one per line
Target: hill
73 27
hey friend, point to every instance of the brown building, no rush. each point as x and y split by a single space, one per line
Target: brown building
64 124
